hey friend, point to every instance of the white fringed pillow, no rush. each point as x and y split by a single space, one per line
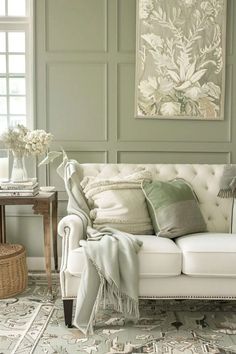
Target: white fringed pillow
119 202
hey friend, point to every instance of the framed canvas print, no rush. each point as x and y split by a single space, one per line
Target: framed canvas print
180 59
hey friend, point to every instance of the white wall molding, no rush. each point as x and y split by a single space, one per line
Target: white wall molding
38 263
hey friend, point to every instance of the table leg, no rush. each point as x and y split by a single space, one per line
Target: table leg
47 249
2 224
54 232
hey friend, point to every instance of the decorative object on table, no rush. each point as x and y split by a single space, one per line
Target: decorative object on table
180 59
13 270
24 142
19 172
51 156
47 189
29 188
4 164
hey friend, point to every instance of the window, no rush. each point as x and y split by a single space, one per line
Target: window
16 63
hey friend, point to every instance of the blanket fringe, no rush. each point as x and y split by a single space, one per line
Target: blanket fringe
226 193
120 301
109 294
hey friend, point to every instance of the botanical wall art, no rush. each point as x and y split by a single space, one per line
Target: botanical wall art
180 59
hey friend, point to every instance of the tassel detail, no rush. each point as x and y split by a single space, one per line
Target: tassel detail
227 193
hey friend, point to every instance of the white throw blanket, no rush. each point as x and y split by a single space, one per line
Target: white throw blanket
111 272
110 276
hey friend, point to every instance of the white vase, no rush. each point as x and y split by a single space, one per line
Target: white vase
19 172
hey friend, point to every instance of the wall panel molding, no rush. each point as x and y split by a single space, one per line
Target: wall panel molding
78 121
208 157
83 32
230 27
38 263
126 27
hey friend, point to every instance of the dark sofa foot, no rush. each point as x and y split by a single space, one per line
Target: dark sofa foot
68 308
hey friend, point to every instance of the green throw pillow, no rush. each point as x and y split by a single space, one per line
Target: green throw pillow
173 208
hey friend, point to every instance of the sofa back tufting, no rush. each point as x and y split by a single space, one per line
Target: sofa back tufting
203 178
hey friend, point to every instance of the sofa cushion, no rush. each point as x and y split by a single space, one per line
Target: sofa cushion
208 254
158 257
119 202
173 208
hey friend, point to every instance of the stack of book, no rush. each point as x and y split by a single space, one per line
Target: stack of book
19 189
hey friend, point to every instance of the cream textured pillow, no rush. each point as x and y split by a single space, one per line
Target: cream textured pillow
119 202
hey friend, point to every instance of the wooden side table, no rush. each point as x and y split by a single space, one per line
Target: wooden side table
44 204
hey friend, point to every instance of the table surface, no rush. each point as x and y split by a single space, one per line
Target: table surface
41 196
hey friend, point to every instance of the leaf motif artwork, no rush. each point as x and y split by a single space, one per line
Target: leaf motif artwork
180 59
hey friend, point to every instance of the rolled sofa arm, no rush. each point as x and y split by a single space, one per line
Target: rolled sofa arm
72 228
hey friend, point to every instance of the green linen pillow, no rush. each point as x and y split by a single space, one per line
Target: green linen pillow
173 208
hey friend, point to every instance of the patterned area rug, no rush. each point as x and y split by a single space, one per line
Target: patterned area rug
23 319
31 323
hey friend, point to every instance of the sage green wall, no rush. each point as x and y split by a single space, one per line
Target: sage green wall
85 66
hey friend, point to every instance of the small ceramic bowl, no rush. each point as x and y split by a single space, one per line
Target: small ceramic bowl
47 188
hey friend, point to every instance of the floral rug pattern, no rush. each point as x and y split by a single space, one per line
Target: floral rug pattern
33 323
18 316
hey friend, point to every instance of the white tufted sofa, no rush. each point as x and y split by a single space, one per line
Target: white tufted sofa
192 266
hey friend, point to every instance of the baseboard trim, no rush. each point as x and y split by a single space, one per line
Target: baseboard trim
38 263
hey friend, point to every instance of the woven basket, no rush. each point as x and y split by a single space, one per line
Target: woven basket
13 270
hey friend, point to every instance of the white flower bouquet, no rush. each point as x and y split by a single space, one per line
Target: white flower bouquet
37 142
22 141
